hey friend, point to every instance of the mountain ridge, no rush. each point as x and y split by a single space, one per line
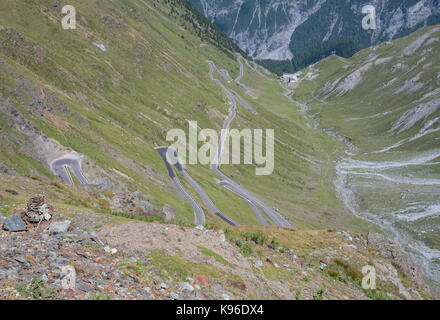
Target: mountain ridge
280 29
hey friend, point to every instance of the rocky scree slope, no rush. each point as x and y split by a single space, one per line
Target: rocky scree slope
81 254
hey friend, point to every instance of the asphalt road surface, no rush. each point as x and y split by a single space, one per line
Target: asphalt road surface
59 167
241 74
255 68
199 216
257 212
173 158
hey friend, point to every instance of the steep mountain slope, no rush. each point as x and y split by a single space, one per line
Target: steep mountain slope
262 28
384 103
119 258
101 98
276 29
92 105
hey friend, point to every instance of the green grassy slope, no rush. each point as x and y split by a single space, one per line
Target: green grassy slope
115 106
386 102
392 84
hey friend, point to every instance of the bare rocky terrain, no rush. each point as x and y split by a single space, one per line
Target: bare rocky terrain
78 253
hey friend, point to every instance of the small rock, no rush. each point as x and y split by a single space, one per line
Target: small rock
68 277
301 261
222 236
60 227
238 284
14 223
44 210
259 263
147 289
185 286
163 285
83 287
225 296
100 46
174 296
97 240
217 287
202 279
61 260
21 259
146 295
346 235
13 192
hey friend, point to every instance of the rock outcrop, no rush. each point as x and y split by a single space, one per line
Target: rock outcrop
264 29
391 250
132 203
168 212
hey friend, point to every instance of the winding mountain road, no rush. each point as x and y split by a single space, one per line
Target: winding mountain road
73 162
228 182
237 81
169 156
199 216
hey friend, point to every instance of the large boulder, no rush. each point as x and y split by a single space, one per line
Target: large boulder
14 223
60 226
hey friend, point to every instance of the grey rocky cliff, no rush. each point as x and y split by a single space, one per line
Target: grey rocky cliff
266 28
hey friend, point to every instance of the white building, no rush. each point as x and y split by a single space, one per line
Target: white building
291 78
